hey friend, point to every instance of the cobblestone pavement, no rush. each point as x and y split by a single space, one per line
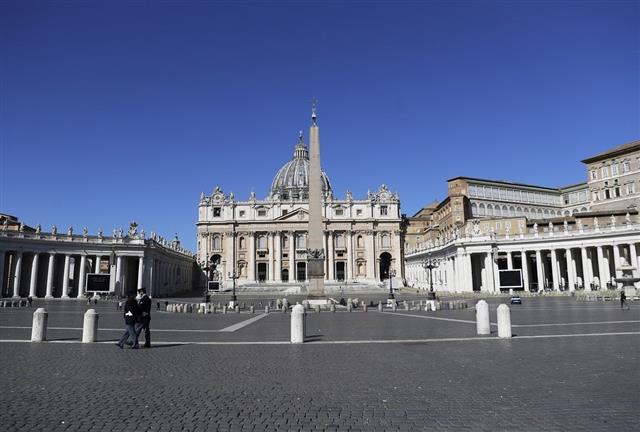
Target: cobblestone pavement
564 382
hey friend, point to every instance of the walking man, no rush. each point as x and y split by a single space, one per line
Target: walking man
145 317
623 300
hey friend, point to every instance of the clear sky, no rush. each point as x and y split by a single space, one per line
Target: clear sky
120 111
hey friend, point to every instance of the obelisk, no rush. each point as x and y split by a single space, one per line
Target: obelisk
315 251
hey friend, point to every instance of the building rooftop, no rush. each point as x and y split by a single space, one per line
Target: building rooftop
616 151
503 182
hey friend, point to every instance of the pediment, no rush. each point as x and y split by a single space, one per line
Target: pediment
295 215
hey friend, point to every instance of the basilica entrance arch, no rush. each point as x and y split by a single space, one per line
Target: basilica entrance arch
285 275
301 271
385 265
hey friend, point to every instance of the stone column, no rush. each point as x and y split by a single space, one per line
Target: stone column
97 264
509 261
82 275
371 256
49 293
152 278
554 270
278 257
272 257
616 262
571 280
467 272
331 258
349 239
602 270
292 256
34 276
633 259
525 269
486 276
540 270
119 288
586 269
140 272
65 277
16 275
251 271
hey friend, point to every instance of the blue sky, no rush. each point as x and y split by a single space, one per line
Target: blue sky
120 111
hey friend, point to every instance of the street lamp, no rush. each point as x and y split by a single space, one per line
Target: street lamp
233 276
392 274
430 263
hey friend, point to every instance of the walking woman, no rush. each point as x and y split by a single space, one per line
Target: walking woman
131 314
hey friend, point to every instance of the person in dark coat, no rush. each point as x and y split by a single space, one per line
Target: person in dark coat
623 300
145 317
131 315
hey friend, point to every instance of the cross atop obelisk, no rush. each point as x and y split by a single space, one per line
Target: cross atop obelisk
315 253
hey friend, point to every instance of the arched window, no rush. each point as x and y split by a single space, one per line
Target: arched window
217 243
339 241
481 210
360 242
512 211
490 210
519 211
242 243
285 242
474 209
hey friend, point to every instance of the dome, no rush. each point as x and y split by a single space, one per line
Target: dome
292 180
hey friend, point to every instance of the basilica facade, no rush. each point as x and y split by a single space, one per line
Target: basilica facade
263 242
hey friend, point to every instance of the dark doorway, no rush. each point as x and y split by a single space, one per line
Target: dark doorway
301 270
262 272
385 265
285 275
340 273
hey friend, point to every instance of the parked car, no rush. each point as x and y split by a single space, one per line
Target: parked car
516 300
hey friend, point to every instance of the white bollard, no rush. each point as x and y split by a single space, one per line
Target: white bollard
39 327
90 326
297 324
482 318
380 307
266 309
504 321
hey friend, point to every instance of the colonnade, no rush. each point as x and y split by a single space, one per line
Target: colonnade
543 266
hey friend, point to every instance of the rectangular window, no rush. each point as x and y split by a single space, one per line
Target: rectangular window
358 212
594 175
626 167
262 213
614 169
217 211
383 210
339 212
617 192
631 188
241 213
284 212
607 194
605 172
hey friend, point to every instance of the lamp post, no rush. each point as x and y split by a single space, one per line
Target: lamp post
233 276
392 274
430 263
